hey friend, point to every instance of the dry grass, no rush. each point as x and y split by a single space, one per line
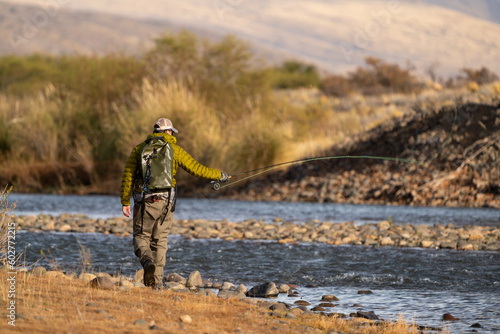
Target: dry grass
64 305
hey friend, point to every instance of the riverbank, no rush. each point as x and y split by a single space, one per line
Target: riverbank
382 234
449 156
51 301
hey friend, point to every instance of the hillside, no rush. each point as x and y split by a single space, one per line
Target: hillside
334 36
456 149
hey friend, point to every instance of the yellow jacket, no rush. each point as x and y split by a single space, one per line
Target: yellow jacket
181 158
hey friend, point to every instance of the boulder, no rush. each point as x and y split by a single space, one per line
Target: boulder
194 280
230 294
105 283
302 303
174 286
86 277
227 286
279 307
449 317
328 298
367 315
174 277
139 275
38 271
241 288
65 228
185 319
283 288
265 290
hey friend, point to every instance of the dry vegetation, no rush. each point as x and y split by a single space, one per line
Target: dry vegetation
63 305
68 123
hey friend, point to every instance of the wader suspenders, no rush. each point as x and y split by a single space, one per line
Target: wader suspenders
145 189
165 209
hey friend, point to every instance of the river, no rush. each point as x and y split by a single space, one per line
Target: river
421 284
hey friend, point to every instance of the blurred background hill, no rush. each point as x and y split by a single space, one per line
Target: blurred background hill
335 36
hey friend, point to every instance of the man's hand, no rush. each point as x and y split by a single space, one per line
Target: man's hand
126 210
224 177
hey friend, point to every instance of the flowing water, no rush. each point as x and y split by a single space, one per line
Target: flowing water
421 284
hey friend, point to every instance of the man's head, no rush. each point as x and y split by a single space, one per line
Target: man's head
164 125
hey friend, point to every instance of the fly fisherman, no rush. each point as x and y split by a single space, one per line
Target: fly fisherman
149 176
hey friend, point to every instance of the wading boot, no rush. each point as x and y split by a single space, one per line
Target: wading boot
149 273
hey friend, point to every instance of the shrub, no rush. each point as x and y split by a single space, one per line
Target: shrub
376 78
294 74
481 76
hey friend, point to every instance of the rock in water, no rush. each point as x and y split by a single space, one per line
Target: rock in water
265 290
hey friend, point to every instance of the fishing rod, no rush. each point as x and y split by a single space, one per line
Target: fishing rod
258 171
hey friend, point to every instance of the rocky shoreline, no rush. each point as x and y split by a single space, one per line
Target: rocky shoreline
261 295
384 233
450 158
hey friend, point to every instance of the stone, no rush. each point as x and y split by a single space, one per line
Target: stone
318 309
138 285
86 277
139 275
364 292
140 322
102 283
383 225
194 280
387 241
426 243
447 244
449 317
279 307
174 277
302 303
328 298
185 319
327 305
174 286
216 285
65 228
207 284
283 288
226 294
241 288
296 311
290 316
367 315
227 286
265 290
38 271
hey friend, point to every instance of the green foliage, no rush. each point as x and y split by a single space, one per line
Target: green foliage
294 74
222 72
22 76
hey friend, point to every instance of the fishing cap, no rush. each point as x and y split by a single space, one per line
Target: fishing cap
165 124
